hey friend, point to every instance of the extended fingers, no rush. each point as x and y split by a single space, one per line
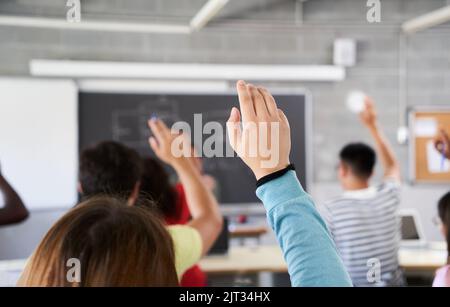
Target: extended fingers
269 101
258 102
160 130
245 102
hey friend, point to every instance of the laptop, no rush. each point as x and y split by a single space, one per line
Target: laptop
411 229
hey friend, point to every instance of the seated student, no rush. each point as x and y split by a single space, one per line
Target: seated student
363 221
110 168
308 248
13 211
442 278
172 203
116 246
442 143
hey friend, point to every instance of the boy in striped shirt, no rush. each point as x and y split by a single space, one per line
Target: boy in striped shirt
363 221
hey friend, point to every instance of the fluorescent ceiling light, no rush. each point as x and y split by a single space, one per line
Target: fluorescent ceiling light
112 26
150 86
206 13
162 71
427 21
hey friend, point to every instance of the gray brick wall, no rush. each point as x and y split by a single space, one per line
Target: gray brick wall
262 32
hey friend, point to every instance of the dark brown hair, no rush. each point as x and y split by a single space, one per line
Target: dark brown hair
156 185
109 168
361 159
444 215
117 245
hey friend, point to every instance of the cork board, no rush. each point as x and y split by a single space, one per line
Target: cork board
427 164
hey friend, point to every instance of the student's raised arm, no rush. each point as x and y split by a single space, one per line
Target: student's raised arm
14 210
307 247
206 217
390 164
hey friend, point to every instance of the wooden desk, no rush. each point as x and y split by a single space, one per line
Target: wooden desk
248 231
424 260
248 260
242 259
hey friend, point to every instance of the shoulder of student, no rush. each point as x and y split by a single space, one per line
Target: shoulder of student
390 183
187 244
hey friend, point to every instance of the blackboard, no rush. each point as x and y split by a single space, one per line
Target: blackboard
123 118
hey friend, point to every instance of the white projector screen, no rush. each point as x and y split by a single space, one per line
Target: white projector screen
39 140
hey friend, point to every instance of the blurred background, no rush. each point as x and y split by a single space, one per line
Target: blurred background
334 44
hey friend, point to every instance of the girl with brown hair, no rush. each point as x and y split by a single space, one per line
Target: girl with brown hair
113 244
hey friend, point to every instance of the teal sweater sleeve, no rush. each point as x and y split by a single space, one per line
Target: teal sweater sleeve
307 247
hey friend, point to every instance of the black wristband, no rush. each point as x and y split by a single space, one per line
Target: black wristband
275 175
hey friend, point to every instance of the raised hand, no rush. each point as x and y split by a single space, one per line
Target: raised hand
442 143
176 150
368 115
261 135
170 147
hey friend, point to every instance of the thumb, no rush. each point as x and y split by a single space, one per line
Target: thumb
235 115
234 128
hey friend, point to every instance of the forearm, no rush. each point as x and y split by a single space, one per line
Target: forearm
307 247
200 200
204 209
384 148
206 218
14 210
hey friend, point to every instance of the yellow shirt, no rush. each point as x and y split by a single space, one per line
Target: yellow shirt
187 244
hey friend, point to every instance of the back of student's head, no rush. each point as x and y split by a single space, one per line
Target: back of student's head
444 215
109 168
116 245
359 158
156 185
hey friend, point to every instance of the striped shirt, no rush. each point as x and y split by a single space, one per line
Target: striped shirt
366 229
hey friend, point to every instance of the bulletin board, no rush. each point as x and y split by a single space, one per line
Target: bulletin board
427 165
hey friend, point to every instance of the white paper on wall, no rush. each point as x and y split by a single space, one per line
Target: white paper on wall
426 127
436 163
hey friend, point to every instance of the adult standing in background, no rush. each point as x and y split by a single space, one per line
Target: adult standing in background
13 211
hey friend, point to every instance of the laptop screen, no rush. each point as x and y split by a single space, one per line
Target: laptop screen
222 243
409 228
